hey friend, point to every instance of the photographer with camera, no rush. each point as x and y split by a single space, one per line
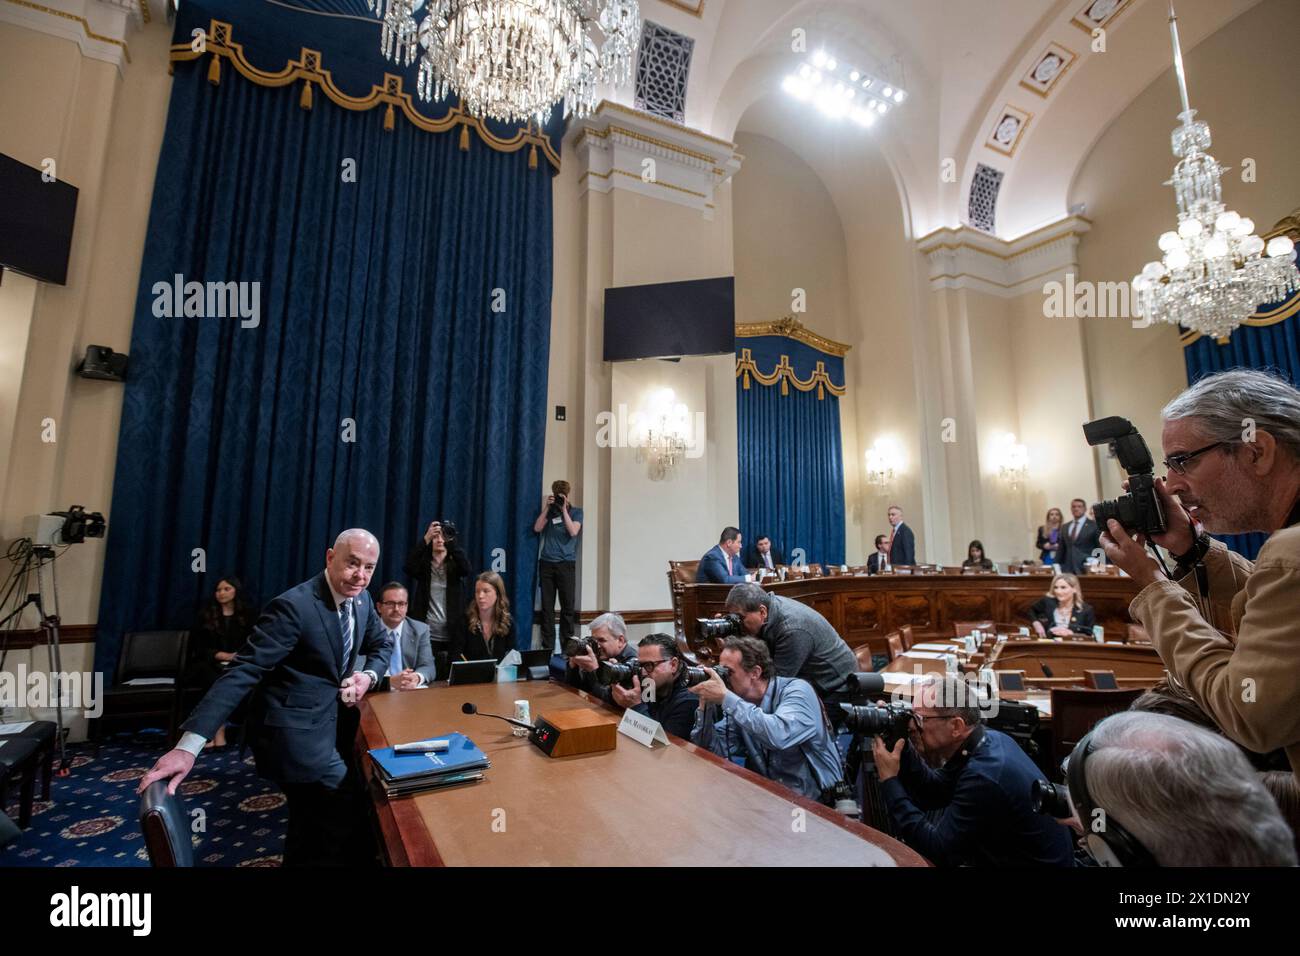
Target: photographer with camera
1224 626
978 776
659 690
437 567
559 524
803 644
777 724
608 642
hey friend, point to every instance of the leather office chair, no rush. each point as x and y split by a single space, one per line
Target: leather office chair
962 628
905 632
863 654
1076 710
145 654
166 827
44 732
895 642
19 758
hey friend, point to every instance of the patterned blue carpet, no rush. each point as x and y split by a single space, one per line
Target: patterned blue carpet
91 817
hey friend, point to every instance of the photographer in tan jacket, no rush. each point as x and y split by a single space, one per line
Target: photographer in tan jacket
1229 632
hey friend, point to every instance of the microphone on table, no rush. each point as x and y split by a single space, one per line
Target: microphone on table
468 708
1047 671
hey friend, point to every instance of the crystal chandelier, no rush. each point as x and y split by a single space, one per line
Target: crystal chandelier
1215 271
512 60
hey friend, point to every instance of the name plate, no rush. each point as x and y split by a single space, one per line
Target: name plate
642 729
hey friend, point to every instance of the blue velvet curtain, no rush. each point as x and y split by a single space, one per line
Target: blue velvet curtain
1275 347
397 371
790 456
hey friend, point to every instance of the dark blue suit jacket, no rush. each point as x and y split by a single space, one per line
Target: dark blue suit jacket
713 568
984 793
293 664
903 549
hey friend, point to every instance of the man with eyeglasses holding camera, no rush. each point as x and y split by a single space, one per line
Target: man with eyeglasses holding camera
659 691
978 776
608 642
1225 627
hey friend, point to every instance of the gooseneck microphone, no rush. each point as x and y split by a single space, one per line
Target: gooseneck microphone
468 708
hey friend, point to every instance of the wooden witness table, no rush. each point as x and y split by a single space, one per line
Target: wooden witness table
594 810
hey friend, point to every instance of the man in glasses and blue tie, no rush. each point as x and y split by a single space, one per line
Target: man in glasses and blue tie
303 714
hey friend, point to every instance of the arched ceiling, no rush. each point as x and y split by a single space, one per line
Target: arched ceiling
962 64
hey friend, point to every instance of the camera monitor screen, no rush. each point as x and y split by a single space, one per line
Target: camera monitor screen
1011 680
472 672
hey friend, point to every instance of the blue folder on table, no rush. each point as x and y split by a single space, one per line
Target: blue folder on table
462 756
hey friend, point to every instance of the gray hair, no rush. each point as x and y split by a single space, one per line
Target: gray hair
749 597
954 697
1188 795
611 622
1224 403
359 533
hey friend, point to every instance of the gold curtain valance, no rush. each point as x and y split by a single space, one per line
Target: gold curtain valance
792 328
220 46
785 375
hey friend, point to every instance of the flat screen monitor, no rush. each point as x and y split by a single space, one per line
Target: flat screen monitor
36 220
670 319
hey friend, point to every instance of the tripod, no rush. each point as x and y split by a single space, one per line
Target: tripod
50 627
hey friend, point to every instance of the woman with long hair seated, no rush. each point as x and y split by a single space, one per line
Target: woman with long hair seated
491 629
224 624
1061 612
975 558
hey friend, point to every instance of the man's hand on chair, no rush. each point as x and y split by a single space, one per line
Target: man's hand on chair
174 764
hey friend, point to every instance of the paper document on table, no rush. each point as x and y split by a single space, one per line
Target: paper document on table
14 728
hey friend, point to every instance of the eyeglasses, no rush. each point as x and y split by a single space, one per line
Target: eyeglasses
393 603
648 666
1178 463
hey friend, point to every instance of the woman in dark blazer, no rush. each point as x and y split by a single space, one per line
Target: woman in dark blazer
975 559
439 550
223 626
1062 612
1049 546
490 630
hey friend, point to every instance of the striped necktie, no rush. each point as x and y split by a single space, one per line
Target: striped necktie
345 625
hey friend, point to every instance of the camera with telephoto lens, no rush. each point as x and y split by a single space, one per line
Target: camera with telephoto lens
864 687
890 722
1139 511
719 628
1051 799
573 646
617 672
698 675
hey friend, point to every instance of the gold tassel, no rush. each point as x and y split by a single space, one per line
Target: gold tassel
532 157
388 119
305 100
214 70
745 382
820 392
464 139
785 386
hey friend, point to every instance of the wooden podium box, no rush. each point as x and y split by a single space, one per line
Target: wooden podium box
577 730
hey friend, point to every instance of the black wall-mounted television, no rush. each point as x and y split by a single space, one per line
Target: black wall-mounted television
35 222
669 319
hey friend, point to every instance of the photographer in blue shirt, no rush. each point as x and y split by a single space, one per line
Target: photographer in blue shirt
978 776
775 723
559 523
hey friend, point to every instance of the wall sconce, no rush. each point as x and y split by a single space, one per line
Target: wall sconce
1013 462
883 462
662 432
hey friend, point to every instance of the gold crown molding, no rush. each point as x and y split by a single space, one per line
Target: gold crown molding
697 12
792 328
308 69
90 34
660 121
784 374
661 143
1286 226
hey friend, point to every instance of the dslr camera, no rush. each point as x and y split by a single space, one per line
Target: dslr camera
1051 799
698 675
718 628
1139 511
617 672
556 509
573 646
890 722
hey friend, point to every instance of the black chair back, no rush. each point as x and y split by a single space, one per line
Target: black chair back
152 654
166 827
